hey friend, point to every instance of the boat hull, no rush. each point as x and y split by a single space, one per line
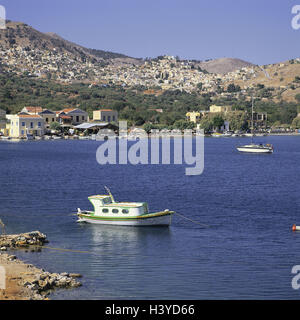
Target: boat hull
254 150
155 219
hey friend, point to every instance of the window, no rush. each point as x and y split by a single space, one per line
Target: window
115 211
82 118
103 118
108 118
125 211
31 124
23 124
39 124
47 120
113 118
22 132
105 210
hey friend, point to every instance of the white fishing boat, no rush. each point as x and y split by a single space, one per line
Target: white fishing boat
254 147
108 211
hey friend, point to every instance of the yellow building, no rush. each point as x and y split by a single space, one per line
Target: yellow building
106 115
22 125
217 109
193 116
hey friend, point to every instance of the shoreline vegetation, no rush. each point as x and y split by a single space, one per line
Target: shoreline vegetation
24 281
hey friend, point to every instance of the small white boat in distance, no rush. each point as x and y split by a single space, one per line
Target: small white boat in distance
108 211
256 148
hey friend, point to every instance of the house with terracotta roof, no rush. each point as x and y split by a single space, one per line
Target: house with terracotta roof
106 115
22 125
75 115
32 110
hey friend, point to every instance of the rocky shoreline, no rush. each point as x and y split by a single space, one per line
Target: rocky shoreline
25 281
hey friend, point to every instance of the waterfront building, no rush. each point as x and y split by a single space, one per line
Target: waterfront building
107 115
193 116
22 125
63 119
76 115
259 120
49 116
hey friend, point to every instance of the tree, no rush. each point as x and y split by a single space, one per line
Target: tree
296 123
231 87
55 126
297 97
183 124
199 86
206 124
218 121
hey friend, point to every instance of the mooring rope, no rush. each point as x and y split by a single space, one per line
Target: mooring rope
193 221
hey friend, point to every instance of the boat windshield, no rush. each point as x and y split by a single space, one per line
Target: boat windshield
107 200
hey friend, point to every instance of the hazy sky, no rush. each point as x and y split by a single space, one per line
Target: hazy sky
258 31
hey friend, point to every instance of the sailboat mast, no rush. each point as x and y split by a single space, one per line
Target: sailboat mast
252 129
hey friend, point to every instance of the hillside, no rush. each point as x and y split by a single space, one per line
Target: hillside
25 51
23 35
281 80
224 65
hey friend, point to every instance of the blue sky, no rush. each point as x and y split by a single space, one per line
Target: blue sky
258 31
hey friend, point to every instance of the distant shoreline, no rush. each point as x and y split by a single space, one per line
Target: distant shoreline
294 134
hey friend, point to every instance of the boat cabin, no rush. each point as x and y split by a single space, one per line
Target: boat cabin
104 205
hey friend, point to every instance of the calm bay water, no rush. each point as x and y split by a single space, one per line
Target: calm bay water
249 201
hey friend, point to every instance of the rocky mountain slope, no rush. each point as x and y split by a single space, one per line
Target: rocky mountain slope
26 51
224 65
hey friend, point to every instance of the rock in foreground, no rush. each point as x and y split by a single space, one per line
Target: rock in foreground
35 238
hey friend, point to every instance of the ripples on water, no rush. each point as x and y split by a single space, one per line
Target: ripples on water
249 201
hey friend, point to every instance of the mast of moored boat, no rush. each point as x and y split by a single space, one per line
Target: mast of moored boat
252 120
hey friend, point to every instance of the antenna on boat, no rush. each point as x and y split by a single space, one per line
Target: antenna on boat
108 191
